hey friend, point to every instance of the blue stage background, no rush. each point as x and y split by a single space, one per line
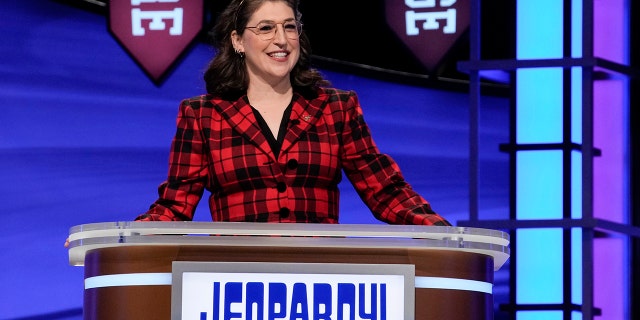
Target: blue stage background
84 138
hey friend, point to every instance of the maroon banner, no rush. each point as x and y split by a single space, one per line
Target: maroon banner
155 33
429 28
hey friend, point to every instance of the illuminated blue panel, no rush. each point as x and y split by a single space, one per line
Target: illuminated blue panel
576 105
576 28
576 266
576 73
576 157
536 315
539 105
576 185
539 267
576 233
539 29
539 185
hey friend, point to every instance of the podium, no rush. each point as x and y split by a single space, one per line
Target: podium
130 267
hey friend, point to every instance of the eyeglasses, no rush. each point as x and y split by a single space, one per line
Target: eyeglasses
267 30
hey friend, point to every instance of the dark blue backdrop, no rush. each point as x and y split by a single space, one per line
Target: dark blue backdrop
84 138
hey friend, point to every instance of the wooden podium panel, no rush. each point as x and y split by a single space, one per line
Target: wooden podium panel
441 252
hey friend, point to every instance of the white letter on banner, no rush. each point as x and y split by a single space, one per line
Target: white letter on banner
138 2
157 22
447 3
430 21
420 3
428 3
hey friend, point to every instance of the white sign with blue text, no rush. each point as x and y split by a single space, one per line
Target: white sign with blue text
301 291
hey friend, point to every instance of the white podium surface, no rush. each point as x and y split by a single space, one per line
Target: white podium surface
129 273
130 233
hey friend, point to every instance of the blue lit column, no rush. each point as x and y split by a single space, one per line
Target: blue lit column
541 169
569 214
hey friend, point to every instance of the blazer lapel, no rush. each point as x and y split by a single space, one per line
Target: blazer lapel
304 114
240 116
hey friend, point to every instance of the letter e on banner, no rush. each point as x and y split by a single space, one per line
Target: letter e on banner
429 28
155 33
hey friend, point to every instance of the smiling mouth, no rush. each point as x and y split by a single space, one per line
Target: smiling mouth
278 54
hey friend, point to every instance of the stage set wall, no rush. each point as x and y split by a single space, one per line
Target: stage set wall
569 158
85 138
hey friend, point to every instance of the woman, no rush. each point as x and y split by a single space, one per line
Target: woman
271 138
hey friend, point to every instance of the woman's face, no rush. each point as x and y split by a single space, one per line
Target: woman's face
270 43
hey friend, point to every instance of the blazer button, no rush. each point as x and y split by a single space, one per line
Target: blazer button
284 212
282 187
292 164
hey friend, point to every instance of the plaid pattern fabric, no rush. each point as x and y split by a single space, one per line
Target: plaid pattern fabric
220 147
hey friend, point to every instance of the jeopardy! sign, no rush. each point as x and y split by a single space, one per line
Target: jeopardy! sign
155 33
295 291
429 28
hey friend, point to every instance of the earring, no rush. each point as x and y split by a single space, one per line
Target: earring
240 53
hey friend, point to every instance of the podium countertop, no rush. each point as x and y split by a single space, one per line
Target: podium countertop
91 236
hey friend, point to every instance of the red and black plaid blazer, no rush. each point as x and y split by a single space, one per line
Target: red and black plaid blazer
220 147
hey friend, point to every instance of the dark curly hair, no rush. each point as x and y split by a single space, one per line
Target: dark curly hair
226 74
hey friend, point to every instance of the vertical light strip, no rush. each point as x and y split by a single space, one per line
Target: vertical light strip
610 187
576 266
576 28
576 105
539 105
576 157
576 73
576 233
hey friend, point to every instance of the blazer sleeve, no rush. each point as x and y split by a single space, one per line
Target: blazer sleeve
376 176
180 194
